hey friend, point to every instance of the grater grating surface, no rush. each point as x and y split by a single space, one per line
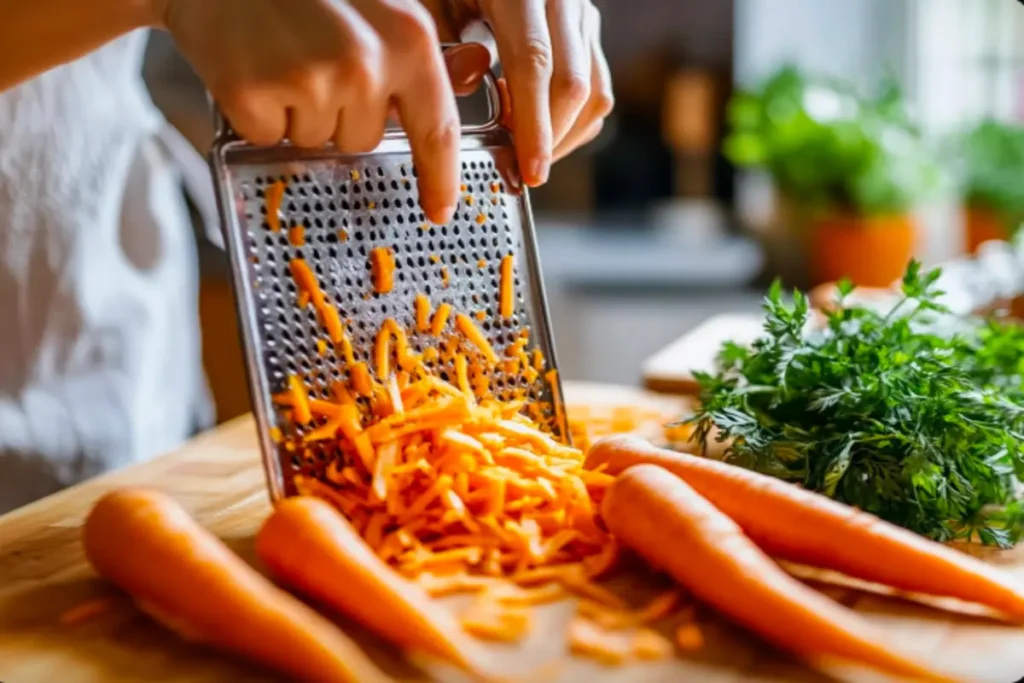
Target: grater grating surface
348 205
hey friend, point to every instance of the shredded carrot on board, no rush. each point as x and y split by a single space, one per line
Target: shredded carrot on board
458 490
274 197
650 645
689 638
85 611
587 424
382 273
588 639
491 621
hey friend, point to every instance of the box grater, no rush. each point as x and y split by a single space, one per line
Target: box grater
348 204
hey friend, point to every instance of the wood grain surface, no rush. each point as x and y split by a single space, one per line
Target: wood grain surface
218 478
670 370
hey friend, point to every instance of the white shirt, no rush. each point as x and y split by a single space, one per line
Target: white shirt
100 362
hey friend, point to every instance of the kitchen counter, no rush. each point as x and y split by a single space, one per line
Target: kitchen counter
218 478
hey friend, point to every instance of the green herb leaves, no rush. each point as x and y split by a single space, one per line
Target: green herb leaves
993 160
880 411
828 146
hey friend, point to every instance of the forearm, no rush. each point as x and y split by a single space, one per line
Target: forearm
37 35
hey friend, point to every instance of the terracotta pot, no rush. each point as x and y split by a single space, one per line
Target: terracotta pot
870 251
983 225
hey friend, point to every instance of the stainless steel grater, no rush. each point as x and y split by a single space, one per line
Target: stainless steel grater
349 204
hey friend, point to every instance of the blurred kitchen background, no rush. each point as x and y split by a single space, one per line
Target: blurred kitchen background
744 130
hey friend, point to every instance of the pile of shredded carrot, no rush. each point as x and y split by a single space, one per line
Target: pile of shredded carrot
457 489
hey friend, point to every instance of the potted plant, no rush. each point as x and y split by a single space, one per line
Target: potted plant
993 182
851 166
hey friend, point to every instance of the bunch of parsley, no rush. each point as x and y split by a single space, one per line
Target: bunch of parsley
923 428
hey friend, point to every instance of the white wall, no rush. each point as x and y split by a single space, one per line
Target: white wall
852 38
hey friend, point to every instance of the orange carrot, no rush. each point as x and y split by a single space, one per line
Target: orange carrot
382 263
297 235
331 321
309 546
382 354
440 319
184 577
472 333
422 313
359 375
305 280
300 402
445 277
794 524
506 291
710 556
273 196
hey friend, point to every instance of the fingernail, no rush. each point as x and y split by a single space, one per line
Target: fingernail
442 215
537 172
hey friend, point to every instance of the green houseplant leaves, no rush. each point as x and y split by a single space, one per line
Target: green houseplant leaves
992 157
829 146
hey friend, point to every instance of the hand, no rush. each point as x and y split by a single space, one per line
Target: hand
558 79
317 70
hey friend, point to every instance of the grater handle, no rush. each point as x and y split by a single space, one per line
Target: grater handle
223 131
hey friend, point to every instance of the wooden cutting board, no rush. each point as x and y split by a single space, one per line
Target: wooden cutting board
670 370
218 478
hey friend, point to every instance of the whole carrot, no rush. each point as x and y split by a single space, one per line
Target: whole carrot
184 577
310 547
670 525
794 524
